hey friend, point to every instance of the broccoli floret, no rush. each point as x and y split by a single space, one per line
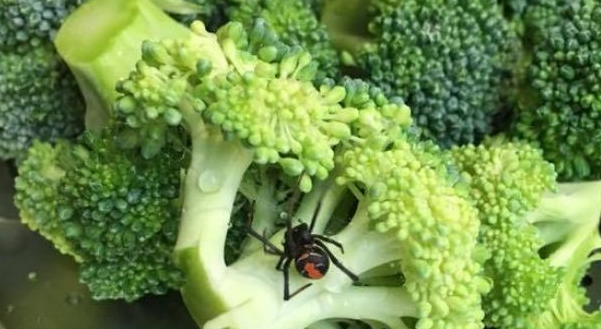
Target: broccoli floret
39 99
558 103
296 23
26 24
248 101
114 212
446 58
513 187
111 210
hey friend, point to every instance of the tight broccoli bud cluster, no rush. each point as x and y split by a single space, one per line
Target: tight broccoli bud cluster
559 106
412 197
114 212
446 58
506 181
26 24
39 99
296 23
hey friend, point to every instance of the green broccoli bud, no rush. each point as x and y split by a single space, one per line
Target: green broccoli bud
28 24
558 102
114 212
513 188
295 23
39 100
447 59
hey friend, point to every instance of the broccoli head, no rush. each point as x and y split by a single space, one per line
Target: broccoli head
521 211
39 99
446 58
558 106
114 212
295 23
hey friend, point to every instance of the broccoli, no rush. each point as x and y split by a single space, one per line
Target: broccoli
246 100
115 213
296 23
557 105
39 99
446 58
539 237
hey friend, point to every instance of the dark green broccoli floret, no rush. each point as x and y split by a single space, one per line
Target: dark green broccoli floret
446 58
111 210
27 23
559 104
296 23
39 99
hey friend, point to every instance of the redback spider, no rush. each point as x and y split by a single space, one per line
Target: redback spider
309 252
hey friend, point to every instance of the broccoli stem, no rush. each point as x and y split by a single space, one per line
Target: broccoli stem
101 44
568 217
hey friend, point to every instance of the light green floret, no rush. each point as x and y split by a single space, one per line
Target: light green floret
208 82
410 195
513 188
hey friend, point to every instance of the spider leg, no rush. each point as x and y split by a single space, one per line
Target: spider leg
336 262
286 269
314 218
328 240
267 245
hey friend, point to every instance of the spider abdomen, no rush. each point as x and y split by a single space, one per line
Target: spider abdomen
313 263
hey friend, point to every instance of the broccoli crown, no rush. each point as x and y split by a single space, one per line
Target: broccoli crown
29 23
412 197
560 107
446 58
113 211
296 23
39 100
266 100
506 181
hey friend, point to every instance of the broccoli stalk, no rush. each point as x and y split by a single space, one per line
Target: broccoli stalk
113 31
248 103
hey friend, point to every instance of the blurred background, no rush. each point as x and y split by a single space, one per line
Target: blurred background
39 287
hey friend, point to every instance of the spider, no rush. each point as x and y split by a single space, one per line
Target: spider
309 252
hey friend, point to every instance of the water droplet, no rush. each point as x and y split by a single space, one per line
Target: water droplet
209 181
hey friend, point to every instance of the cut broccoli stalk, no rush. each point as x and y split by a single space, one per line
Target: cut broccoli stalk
101 44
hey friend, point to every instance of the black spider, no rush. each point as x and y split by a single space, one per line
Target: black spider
309 252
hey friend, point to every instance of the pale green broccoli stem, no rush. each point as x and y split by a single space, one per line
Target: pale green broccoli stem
327 195
101 44
211 184
574 209
178 6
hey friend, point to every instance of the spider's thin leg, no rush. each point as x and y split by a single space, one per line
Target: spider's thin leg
336 262
286 270
281 263
266 243
314 218
328 240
